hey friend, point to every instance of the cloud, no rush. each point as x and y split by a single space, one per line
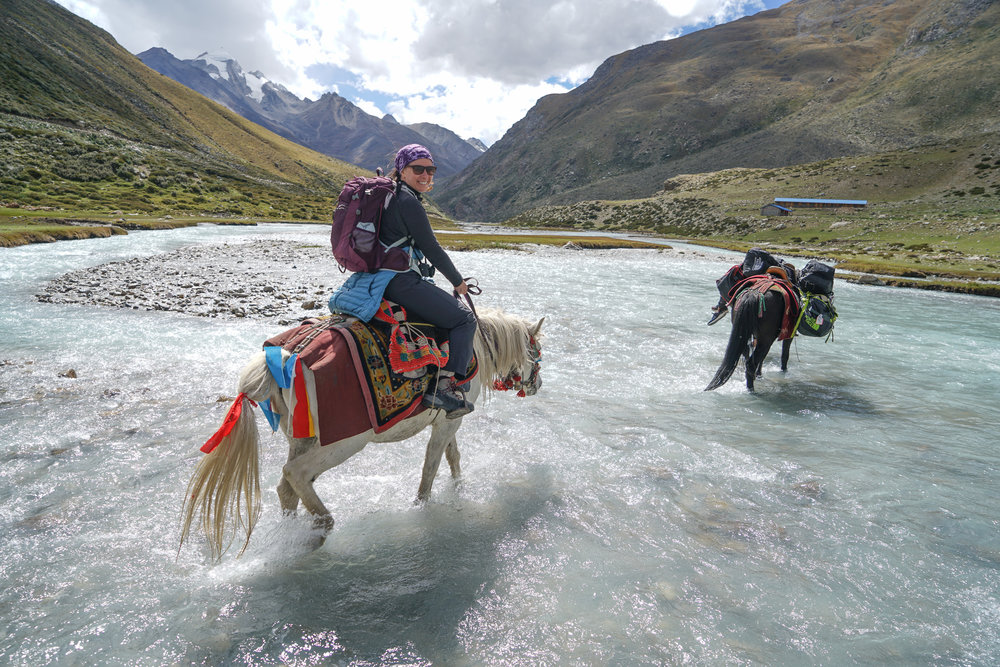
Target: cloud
188 28
519 42
473 66
475 107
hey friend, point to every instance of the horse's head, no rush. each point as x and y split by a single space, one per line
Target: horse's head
534 381
525 376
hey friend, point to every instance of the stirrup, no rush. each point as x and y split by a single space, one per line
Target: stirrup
452 406
461 411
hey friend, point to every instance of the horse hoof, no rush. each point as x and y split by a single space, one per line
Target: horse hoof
321 527
323 523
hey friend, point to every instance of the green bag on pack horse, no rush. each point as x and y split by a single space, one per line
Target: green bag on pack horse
818 315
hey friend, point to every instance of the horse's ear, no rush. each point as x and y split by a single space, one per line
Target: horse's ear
537 327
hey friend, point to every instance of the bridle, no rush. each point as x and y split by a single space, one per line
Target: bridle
512 380
473 288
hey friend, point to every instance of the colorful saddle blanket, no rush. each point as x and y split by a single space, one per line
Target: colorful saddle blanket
763 283
342 376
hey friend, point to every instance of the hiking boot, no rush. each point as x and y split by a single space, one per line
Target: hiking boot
717 314
448 397
465 387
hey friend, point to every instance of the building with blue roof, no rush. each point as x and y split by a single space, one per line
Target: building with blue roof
775 209
820 203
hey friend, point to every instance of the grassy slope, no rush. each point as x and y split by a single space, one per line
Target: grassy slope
810 80
933 211
86 128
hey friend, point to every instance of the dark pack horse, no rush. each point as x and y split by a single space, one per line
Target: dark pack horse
764 309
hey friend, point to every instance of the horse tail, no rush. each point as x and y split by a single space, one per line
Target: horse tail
226 481
745 313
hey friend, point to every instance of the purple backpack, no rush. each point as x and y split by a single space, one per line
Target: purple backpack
356 225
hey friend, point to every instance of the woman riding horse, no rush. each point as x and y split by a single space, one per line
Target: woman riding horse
413 288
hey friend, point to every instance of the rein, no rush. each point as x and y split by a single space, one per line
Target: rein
474 288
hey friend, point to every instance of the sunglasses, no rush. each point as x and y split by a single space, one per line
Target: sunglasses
418 169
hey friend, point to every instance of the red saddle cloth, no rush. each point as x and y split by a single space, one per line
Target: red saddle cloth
344 367
763 283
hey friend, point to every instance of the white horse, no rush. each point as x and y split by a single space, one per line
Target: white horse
226 482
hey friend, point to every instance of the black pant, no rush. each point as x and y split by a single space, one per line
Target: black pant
425 302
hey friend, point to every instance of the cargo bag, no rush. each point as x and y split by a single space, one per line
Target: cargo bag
816 277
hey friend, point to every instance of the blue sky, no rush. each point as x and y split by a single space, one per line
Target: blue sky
473 66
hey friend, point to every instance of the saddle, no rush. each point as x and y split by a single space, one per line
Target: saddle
347 376
777 280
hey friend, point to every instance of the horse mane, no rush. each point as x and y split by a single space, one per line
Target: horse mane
501 344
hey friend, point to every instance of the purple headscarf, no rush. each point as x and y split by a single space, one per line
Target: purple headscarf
409 153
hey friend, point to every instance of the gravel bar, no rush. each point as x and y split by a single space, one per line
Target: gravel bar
285 281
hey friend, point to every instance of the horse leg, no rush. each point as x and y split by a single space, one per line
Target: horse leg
442 435
454 458
287 496
768 329
786 346
751 370
755 364
306 463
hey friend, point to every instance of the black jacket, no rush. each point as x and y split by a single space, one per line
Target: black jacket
406 216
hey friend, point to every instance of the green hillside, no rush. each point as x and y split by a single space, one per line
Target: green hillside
933 212
87 129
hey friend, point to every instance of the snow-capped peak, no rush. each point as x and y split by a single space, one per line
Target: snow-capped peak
222 66
216 63
255 82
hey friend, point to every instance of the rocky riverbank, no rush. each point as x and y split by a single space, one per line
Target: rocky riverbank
286 281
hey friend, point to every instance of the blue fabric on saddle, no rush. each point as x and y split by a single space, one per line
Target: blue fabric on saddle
361 294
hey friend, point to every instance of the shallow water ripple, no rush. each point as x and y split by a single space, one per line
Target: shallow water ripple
844 514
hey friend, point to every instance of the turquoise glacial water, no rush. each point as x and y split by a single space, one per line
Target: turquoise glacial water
844 514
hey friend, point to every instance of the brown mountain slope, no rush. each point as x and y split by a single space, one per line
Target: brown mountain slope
811 80
85 125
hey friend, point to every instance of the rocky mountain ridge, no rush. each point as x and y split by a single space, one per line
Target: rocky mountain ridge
808 81
331 125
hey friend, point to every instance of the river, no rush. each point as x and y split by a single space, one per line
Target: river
844 514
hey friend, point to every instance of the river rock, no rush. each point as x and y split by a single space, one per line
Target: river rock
262 279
